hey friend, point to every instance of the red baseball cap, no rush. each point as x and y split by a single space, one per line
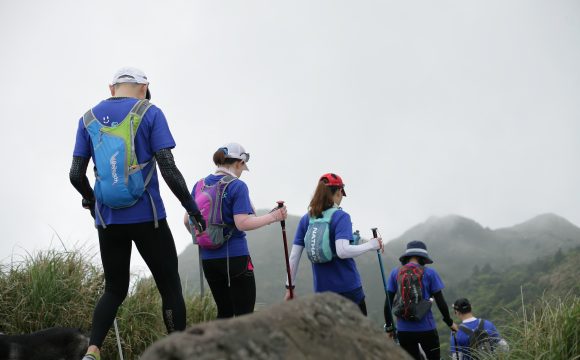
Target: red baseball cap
331 179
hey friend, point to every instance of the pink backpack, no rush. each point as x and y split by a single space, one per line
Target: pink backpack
209 202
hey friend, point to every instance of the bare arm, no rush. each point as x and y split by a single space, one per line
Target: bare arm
245 222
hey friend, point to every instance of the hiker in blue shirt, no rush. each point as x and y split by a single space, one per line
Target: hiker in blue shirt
228 268
338 272
468 341
126 129
411 290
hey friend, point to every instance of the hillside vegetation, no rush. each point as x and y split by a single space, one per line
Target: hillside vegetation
55 288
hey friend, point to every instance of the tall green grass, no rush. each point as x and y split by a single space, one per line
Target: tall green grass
61 288
549 330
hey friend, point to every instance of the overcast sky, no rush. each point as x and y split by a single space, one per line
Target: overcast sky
423 107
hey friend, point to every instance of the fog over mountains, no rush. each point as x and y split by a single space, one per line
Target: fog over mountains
456 244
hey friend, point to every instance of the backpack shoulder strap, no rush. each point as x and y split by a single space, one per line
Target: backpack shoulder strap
481 325
327 214
227 179
141 107
466 330
88 118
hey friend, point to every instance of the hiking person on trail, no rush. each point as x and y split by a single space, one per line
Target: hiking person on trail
326 234
126 136
411 289
225 201
475 336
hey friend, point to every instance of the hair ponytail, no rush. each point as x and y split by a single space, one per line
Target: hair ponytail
219 158
322 199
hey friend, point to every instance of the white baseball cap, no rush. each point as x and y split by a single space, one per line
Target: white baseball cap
131 75
236 151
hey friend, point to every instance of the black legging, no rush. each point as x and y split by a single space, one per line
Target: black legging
429 340
157 248
240 296
362 305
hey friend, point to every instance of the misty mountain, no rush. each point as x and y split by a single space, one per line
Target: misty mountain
457 245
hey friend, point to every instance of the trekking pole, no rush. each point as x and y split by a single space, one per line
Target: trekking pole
283 224
201 282
193 225
375 234
455 341
118 339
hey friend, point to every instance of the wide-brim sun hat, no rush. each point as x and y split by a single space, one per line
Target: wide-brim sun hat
131 75
416 248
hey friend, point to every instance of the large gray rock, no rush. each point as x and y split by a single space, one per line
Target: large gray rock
321 326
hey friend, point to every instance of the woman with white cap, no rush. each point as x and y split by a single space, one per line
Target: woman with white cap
228 267
411 289
336 270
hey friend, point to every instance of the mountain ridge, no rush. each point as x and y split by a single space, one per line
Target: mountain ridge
456 244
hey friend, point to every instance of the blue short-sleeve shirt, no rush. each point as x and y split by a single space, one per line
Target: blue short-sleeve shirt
338 275
236 201
432 284
153 135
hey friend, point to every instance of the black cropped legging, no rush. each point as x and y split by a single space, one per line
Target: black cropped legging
234 296
157 248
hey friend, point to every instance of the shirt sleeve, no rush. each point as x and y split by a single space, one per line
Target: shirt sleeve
160 137
392 282
434 282
83 141
342 226
241 202
301 231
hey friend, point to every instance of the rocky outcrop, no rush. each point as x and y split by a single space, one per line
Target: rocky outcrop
320 326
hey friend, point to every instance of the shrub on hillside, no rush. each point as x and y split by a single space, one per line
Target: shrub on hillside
54 288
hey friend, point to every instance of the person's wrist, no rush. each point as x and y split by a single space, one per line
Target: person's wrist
272 218
87 203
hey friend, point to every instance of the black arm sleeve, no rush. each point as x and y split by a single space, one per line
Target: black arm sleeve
389 305
78 177
175 180
442 305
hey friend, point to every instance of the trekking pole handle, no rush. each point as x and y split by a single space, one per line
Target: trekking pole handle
374 230
281 205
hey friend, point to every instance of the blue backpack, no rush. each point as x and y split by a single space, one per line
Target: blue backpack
119 181
317 238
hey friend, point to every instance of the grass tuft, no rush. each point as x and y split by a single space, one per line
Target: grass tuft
60 288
